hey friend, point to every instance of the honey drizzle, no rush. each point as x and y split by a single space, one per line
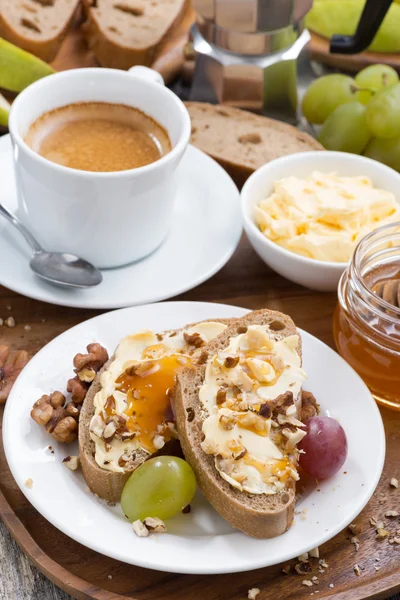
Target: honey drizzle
148 399
280 468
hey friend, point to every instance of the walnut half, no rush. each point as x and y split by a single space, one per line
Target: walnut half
56 419
11 365
60 418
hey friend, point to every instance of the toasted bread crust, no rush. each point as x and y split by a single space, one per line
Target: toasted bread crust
259 516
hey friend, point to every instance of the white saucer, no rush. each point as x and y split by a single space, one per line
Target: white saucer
201 541
205 232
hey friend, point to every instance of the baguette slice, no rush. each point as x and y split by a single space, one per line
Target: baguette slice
38 26
260 516
241 141
107 484
125 33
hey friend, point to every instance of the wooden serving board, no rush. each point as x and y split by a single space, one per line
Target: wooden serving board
244 281
319 48
75 53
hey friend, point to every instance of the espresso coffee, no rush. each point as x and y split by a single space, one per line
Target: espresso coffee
98 136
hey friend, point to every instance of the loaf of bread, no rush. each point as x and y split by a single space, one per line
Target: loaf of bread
258 515
38 26
240 141
125 33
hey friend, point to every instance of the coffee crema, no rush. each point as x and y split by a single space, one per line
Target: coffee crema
98 136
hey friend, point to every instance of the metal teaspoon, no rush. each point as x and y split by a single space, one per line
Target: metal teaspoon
59 268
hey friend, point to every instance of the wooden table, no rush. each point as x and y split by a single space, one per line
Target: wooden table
244 281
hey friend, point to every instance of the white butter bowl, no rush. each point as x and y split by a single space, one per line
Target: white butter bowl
315 274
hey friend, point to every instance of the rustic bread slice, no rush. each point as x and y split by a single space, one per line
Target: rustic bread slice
107 484
38 26
240 141
124 33
260 516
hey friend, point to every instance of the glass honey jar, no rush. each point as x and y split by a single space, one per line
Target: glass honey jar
366 325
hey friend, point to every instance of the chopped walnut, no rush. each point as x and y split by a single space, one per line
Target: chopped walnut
11 365
265 410
78 389
314 553
293 437
72 462
86 375
97 426
355 528
253 593
221 395
357 570
72 410
140 528
228 421
303 568
251 420
356 543
309 406
231 362
109 431
322 563
86 367
391 513
381 533
203 358
95 359
394 482
159 441
155 525
66 430
307 582
49 412
193 339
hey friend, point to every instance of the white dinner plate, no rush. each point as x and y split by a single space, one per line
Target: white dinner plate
205 231
201 541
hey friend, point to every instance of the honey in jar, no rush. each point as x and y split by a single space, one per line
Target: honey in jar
366 323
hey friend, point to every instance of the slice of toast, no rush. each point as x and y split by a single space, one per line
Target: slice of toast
109 484
125 33
258 515
241 141
38 26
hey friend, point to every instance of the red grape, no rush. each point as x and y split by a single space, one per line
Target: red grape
325 447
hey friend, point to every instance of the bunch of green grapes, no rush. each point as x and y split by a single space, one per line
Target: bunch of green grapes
360 115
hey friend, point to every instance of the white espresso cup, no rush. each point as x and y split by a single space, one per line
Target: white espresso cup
109 219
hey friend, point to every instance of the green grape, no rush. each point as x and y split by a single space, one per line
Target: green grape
383 112
325 94
372 79
386 151
345 129
161 487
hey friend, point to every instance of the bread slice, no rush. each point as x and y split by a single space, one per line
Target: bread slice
107 484
38 26
258 515
124 33
240 141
